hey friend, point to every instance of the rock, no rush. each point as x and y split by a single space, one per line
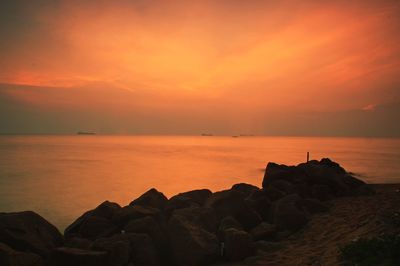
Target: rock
11 257
313 173
263 231
237 245
65 256
146 225
118 250
321 192
229 222
261 204
191 244
151 198
313 205
77 242
94 223
331 174
275 172
200 216
245 189
273 193
29 232
283 185
125 214
142 250
287 214
178 202
198 196
231 203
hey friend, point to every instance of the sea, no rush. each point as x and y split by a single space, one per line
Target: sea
61 177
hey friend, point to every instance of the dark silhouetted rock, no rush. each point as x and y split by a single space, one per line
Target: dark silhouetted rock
245 189
313 179
288 215
118 250
321 192
65 256
78 242
94 223
259 202
194 198
198 196
275 172
29 232
147 225
191 244
231 203
237 245
284 186
229 222
125 214
273 193
313 205
178 202
137 249
151 198
94 227
200 216
263 231
11 257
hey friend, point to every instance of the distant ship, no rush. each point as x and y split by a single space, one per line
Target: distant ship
85 133
207 135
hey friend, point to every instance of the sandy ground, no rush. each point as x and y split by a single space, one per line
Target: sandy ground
348 219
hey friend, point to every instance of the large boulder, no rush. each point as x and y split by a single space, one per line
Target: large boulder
194 198
237 245
259 202
128 213
263 231
94 223
288 213
245 189
151 198
148 225
118 250
191 244
65 256
231 203
320 179
200 216
198 196
11 257
29 232
128 249
275 172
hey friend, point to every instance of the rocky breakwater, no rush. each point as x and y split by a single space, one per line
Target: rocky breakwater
192 228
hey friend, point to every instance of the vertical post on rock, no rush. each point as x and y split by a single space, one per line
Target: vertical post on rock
308 157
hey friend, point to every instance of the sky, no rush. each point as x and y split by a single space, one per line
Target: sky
301 68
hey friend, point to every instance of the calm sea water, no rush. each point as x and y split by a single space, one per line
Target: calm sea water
60 177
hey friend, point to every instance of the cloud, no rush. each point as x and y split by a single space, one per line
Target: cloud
369 107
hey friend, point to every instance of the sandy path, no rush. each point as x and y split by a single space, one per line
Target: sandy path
348 219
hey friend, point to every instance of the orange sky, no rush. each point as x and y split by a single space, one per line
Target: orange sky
239 62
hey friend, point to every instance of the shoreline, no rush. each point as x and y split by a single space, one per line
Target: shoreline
300 216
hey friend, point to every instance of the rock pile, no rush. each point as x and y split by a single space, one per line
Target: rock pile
192 228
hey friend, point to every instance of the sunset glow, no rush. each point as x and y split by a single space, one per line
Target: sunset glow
144 66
